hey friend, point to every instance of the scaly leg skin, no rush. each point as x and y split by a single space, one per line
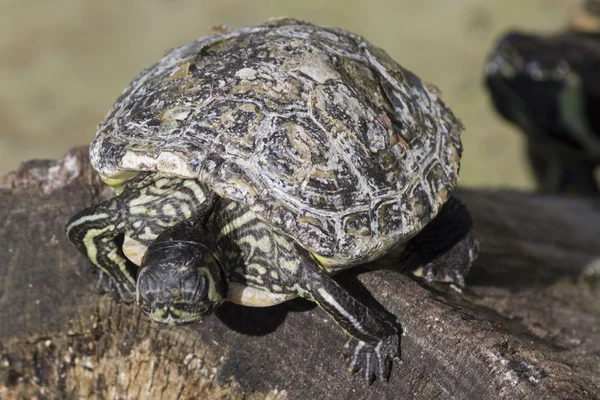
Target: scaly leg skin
373 344
444 250
149 204
93 231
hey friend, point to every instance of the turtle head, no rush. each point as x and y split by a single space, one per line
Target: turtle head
529 57
180 282
525 75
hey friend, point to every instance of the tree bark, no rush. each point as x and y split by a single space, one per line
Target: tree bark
526 327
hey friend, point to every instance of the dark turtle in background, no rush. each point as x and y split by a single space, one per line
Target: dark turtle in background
252 165
549 86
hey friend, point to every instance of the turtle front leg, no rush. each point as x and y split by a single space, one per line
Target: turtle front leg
93 231
148 205
373 344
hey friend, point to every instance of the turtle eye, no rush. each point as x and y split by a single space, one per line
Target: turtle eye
193 285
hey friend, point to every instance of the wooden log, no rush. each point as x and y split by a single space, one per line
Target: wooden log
526 327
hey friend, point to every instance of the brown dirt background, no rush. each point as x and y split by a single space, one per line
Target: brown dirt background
64 62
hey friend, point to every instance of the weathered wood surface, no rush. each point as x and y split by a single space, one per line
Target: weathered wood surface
527 327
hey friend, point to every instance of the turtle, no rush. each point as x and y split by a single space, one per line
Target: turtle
253 165
548 86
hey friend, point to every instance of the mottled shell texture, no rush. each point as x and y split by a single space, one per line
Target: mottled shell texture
316 130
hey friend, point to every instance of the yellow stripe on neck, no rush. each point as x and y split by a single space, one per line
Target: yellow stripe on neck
119 180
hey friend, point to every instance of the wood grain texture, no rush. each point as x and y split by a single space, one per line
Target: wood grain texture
526 327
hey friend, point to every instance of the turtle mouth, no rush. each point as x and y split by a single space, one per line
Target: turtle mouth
177 313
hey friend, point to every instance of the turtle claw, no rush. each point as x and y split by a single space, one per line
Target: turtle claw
120 292
452 266
435 272
106 284
375 361
125 296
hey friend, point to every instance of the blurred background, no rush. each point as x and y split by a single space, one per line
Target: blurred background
64 62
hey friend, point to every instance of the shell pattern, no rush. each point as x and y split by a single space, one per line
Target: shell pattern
316 130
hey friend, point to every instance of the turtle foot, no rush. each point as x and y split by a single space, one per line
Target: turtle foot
106 284
375 361
452 266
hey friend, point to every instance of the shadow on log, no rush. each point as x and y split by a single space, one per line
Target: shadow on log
526 327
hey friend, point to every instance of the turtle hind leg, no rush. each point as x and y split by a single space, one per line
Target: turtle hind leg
445 249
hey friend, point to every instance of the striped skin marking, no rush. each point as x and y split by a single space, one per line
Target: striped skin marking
260 254
90 245
267 262
263 244
85 219
345 314
159 184
276 288
328 262
258 268
172 316
141 200
91 248
213 293
236 224
161 204
196 189
148 234
143 211
296 288
290 265
93 234
185 210
255 278
356 353
117 260
169 210
283 242
368 362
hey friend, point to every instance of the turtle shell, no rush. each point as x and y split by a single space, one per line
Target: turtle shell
317 131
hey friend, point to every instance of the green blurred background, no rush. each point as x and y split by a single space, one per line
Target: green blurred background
64 62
